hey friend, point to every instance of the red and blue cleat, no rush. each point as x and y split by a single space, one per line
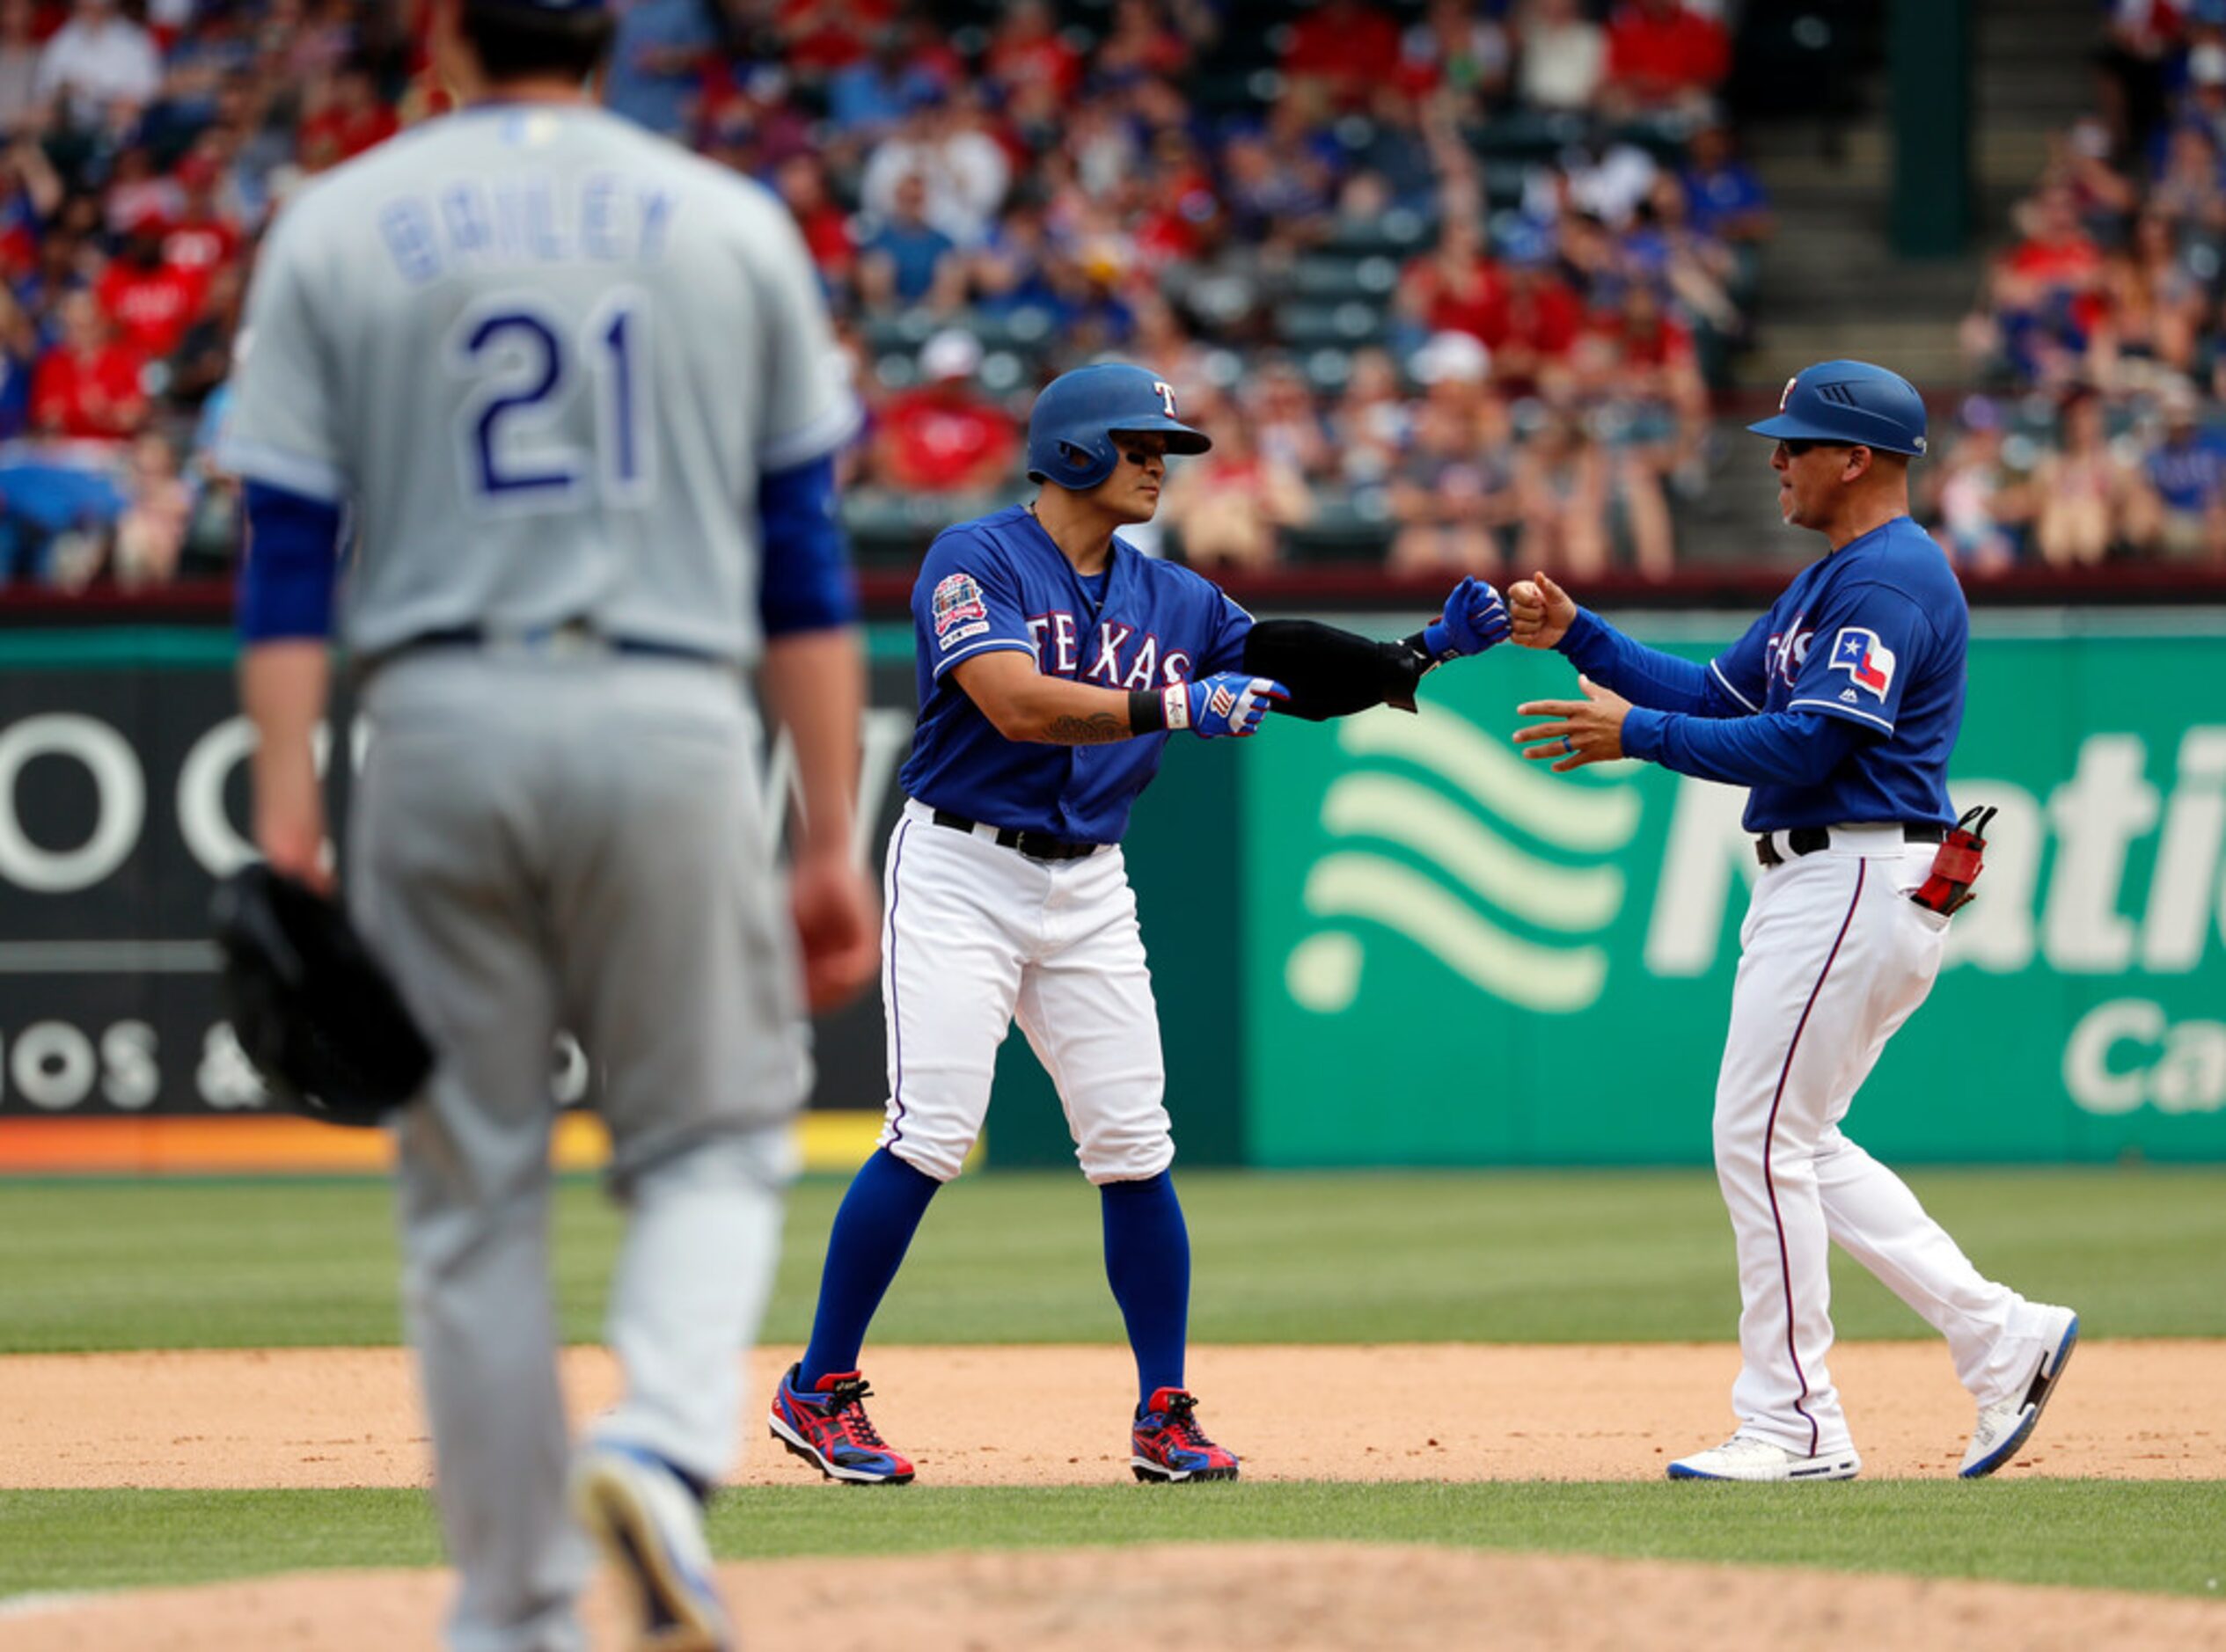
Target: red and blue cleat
1167 1447
829 1428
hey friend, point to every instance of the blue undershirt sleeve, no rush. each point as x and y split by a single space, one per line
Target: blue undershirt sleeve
1643 675
292 565
1772 748
804 584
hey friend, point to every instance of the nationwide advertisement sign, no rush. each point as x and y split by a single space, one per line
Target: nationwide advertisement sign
1457 957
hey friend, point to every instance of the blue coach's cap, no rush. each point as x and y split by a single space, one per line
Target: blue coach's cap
1851 402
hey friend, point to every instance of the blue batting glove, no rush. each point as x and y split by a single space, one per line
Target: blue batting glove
1475 619
1226 703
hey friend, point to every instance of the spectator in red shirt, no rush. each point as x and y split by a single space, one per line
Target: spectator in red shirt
1141 41
2047 297
1026 47
1662 54
944 437
1346 47
201 240
1457 287
88 384
821 36
352 119
1544 317
803 182
149 301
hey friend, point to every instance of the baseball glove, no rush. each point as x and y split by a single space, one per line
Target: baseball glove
310 1006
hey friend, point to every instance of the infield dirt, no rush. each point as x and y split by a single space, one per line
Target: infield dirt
335 1417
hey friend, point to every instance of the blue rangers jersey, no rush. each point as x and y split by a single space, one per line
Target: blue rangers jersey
1000 582
1876 634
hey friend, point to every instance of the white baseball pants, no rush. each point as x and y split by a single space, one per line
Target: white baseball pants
1835 957
977 936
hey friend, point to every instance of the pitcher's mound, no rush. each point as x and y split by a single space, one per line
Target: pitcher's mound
1236 1598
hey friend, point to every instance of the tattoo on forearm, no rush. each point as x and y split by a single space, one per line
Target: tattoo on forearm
1099 729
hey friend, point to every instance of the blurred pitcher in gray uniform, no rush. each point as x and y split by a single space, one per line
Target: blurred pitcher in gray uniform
568 397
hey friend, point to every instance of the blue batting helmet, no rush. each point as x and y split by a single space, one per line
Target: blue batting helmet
1851 402
1070 432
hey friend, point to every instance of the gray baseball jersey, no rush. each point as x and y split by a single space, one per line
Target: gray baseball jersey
509 340
544 358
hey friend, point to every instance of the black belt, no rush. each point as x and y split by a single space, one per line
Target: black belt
553 636
1035 845
1806 840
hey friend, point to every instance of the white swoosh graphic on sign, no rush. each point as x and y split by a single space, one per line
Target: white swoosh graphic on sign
1355 885
1558 811
1418 818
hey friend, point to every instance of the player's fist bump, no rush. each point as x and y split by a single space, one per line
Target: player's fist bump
1539 612
1475 619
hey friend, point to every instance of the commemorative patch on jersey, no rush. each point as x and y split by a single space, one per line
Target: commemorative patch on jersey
957 605
1864 657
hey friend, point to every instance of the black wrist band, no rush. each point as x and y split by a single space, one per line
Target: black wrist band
1147 712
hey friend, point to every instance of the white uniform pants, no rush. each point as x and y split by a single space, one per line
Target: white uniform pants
978 935
1833 958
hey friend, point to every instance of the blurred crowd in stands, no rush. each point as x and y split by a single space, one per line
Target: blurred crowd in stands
1447 281
2100 337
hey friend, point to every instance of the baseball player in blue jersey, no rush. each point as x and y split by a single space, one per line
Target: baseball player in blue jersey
1839 709
1054 661
577 394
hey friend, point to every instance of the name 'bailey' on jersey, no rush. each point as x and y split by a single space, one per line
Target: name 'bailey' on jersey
1875 634
508 338
1000 582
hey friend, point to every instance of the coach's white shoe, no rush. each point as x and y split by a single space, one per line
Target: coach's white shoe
2005 1426
651 1524
1742 1457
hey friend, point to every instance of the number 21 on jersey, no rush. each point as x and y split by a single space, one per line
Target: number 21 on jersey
523 366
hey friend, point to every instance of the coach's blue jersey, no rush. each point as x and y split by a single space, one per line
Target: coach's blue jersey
1875 634
1000 582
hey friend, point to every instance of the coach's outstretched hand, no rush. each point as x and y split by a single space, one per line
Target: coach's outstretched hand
1542 612
1475 619
1229 703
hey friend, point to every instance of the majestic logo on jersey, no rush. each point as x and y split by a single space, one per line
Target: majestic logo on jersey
1864 657
1468 865
960 612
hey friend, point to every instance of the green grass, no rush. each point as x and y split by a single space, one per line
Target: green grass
1354 1258
2158 1536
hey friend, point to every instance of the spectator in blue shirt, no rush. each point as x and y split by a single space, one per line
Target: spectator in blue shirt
870 99
2187 469
657 62
1726 199
906 262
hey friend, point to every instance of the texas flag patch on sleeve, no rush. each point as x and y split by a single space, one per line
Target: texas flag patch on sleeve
1864 657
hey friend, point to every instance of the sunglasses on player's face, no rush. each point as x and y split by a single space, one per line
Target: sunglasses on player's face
1797 446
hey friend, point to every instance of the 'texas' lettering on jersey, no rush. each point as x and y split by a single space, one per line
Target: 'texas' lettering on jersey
1788 651
1117 656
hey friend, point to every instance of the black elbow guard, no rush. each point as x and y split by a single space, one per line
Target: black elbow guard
1333 673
